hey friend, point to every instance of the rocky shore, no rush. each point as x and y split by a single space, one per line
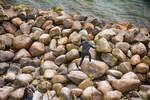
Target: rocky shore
41 47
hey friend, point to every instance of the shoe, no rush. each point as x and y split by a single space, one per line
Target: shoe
79 67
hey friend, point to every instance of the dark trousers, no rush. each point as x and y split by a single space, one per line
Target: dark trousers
82 57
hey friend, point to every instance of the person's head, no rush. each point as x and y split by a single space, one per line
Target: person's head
26 83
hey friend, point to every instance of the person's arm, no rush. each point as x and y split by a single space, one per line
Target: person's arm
94 47
81 43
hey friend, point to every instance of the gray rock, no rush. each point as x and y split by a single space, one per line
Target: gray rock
49 74
109 59
77 76
60 59
72 67
66 93
6 55
49 65
59 79
62 70
26 62
66 32
3 68
2 82
59 50
124 46
14 68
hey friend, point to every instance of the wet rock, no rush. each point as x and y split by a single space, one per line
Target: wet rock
5 91
69 47
135 60
28 69
124 46
103 45
16 21
142 68
91 92
3 67
125 85
119 54
68 23
109 59
6 55
2 31
60 50
96 68
66 32
72 67
85 83
130 75
62 70
49 56
76 92
139 48
55 31
84 34
77 76
9 27
76 25
21 54
22 41
14 68
66 93
21 78
63 41
125 67
104 86
44 38
75 38
25 28
73 54
37 49
39 21
114 73
113 95
44 86
36 35
140 37
59 79
49 65
49 74
17 94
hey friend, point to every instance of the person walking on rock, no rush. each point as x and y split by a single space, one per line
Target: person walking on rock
85 51
28 92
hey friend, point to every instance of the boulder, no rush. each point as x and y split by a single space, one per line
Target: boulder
72 67
52 44
73 54
16 21
119 54
5 92
68 23
103 45
77 76
95 68
63 41
21 54
22 41
55 31
113 95
3 68
49 74
37 49
2 31
39 21
124 46
6 55
84 34
49 56
65 94
89 27
44 86
125 67
57 87
135 60
142 68
36 35
130 75
17 94
10 28
109 59
66 32
62 70
76 25
75 37
44 38
91 93
76 92
125 85
104 86
49 65
59 79
60 50
25 28
85 83
114 73
28 69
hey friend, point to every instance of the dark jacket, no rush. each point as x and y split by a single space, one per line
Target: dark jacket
86 46
25 91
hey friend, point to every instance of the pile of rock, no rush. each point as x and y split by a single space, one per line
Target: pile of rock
41 47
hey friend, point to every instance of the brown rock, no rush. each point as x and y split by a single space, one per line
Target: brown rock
125 67
59 79
9 27
2 31
59 50
135 60
89 27
44 38
76 25
86 83
71 46
118 54
17 94
63 41
22 41
55 31
73 54
48 22
68 23
37 49
76 92
130 75
5 91
39 21
104 86
125 85
49 56
36 35
142 68
113 95
57 87
124 46
44 86
25 28
28 69
75 38
16 21
60 59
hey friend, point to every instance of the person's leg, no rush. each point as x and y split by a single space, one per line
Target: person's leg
82 58
89 57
